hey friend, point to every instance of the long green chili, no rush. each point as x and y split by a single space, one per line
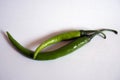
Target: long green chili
75 44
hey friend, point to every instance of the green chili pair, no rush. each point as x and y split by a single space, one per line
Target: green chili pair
81 37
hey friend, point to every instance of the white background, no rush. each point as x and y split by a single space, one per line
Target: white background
30 21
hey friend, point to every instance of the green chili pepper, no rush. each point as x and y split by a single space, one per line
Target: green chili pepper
66 36
78 42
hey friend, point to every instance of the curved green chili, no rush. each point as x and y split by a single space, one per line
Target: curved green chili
52 54
78 42
66 36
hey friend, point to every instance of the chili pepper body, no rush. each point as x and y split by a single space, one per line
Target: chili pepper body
72 46
77 43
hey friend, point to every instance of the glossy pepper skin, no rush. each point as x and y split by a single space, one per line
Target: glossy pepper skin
72 46
77 43
58 38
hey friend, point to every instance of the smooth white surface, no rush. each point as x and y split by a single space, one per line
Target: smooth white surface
31 20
